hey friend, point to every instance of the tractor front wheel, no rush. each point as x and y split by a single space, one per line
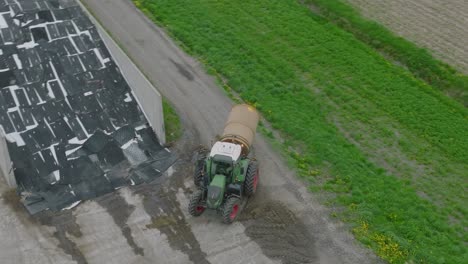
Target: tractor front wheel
200 167
251 179
198 175
231 209
196 207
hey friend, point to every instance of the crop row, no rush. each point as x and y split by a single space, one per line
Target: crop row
417 60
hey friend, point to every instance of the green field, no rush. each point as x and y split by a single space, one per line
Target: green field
391 149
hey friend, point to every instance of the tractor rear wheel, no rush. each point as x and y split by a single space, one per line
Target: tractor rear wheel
231 209
196 207
251 179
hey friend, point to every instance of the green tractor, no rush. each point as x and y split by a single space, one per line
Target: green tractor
226 175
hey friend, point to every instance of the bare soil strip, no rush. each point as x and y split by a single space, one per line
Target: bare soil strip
439 25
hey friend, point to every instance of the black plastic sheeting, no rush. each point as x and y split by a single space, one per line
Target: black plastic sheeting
63 96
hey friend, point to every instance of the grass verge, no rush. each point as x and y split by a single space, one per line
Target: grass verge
172 122
418 60
334 98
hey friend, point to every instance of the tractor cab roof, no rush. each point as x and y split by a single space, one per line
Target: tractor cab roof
226 152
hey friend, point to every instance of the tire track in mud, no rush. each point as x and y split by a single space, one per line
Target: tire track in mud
64 223
169 220
120 211
279 233
160 202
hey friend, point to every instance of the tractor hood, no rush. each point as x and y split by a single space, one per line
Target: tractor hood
216 191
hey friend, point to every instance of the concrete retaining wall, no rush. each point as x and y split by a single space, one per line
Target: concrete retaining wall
5 162
149 99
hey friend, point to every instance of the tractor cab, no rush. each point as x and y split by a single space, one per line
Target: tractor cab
225 152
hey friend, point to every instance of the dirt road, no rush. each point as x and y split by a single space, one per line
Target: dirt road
439 25
149 223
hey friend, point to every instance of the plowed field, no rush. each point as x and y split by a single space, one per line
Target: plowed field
439 25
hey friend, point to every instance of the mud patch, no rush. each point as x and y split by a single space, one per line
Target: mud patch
64 223
183 70
12 199
168 218
162 221
279 233
160 202
120 211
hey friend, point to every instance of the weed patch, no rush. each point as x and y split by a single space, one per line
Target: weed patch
171 122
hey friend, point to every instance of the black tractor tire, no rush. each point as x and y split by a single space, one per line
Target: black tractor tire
231 209
251 179
199 174
196 207
200 167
